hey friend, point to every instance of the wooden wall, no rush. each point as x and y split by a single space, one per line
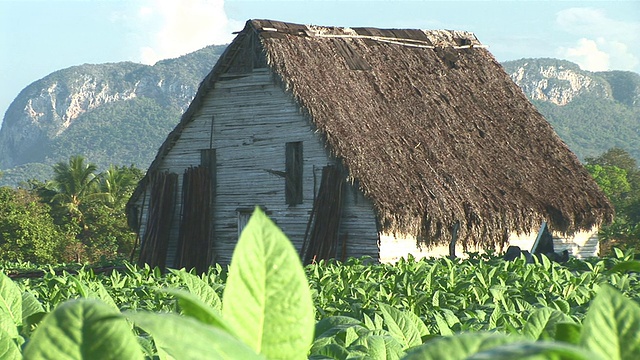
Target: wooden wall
252 118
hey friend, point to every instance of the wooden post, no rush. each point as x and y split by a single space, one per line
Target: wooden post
454 238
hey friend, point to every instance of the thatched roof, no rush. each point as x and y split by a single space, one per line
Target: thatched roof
433 129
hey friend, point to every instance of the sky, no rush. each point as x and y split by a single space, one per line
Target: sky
40 37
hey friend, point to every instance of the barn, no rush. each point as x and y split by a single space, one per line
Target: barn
359 142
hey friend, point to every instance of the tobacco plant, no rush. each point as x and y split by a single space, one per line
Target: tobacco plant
483 308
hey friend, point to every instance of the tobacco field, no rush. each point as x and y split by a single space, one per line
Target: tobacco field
266 305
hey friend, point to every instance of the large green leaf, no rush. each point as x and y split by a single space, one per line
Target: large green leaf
32 313
83 329
267 297
30 306
405 326
199 288
8 348
460 346
10 306
611 327
186 338
8 325
541 324
568 332
539 350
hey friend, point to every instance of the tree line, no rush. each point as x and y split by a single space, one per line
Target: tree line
78 216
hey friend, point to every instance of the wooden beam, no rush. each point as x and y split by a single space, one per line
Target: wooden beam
454 238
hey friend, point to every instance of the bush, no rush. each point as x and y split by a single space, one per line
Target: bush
27 230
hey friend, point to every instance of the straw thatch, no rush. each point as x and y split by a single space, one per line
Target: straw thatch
433 129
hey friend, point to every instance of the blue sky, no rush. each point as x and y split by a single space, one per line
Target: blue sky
39 37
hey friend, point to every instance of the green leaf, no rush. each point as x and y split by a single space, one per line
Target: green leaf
8 325
405 326
443 326
539 350
8 348
83 290
568 332
83 329
32 312
331 322
459 347
186 338
541 324
30 306
562 305
626 266
351 334
618 252
611 326
192 306
100 293
200 288
327 348
368 323
10 301
267 297
379 347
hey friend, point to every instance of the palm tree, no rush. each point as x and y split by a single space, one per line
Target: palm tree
74 182
115 185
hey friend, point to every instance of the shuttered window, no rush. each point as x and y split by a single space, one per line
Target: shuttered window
293 173
243 219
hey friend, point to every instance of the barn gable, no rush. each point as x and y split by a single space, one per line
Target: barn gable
428 130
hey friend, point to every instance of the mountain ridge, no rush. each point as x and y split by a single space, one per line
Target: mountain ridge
46 108
120 113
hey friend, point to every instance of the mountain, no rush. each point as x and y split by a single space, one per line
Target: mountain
591 111
111 113
120 113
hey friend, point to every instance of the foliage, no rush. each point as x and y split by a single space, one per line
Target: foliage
617 173
428 309
615 157
79 216
27 229
612 180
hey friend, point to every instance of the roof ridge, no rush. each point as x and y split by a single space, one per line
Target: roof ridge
418 38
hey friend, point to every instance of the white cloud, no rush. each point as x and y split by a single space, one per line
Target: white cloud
603 44
587 54
180 27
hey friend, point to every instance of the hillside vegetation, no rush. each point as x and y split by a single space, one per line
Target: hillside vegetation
130 130
591 111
